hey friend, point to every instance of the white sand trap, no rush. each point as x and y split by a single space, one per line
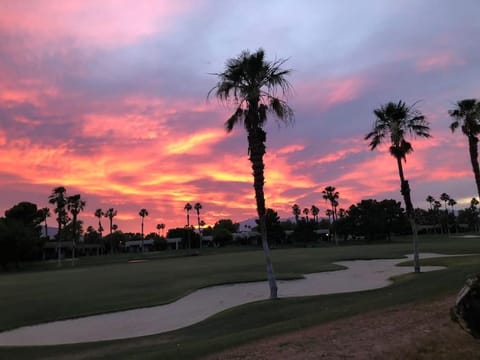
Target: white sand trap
203 303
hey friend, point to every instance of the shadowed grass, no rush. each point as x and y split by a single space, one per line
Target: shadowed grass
47 295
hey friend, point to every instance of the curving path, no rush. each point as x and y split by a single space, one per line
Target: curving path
203 303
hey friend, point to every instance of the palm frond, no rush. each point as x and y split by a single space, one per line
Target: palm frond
237 117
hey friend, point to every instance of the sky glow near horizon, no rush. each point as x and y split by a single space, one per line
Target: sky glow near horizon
110 100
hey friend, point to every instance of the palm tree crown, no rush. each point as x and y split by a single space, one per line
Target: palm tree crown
467 115
252 82
395 121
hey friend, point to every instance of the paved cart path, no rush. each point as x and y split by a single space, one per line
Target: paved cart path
201 304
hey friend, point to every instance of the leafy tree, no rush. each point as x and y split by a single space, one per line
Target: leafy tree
275 232
394 121
296 212
75 204
221 236
58 197
466 115
20 233
227 224
252 82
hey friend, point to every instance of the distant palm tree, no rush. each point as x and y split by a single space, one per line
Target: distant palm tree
329 194
430 199
75 204
252 83
467 115
110 214
315 211
99 213
160 227
445 198
329 213
393 122
306 211
58 197
296 212
188 207
143 213
197 208
45 213
452 203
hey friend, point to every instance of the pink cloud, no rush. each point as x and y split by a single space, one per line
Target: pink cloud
439 61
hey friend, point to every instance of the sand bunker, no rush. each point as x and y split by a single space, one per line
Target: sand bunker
201 304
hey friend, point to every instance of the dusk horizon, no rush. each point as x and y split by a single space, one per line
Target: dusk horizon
110 101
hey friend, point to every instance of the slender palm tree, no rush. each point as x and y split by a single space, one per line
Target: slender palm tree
99 214
75 204
143 213
160 228
188 207
58 197
315 211
329 194
110 214
252 83
452 203
466 115
296 212
306 211
445 198
430 199
394 121
197 208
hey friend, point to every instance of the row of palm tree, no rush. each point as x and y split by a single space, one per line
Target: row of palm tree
251 83
188 207
64 204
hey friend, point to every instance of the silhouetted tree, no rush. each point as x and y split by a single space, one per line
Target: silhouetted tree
143 213
394 121
58 197
296 212
251 82
466 115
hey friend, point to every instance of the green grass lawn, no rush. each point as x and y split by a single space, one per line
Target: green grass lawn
37 296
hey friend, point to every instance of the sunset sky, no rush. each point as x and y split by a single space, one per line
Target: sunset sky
109 99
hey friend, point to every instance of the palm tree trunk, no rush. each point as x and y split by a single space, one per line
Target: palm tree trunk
473 148
405 190
256 146
59 245
74 237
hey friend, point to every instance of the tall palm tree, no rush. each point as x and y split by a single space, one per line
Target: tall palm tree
430 199
99 214
197 208
394 121
306 211
75 204
188 207
252 83
329 194
110 214
315 211
143 213
445 198
58 197
160 227
452 203
466 115
296 212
